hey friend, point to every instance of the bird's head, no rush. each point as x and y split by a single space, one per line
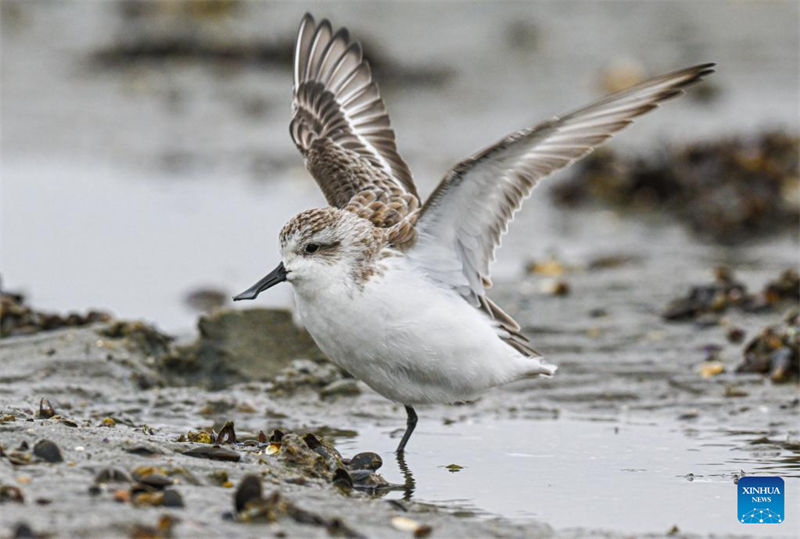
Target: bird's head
321 248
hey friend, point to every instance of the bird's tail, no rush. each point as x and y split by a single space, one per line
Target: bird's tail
541 368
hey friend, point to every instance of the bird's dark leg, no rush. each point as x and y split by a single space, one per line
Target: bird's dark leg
411 422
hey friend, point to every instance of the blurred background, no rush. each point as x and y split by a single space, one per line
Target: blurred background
147 168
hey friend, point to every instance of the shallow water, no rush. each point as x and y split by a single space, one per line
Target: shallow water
630 476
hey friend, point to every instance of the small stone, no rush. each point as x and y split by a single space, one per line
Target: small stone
215 453
735 334
249 489
144 450
152 477
47 451
23 531
172 498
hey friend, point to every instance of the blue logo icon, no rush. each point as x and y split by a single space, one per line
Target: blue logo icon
761 500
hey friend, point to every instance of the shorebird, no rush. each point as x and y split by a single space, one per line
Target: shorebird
394 291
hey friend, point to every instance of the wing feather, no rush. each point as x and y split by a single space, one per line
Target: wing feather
337 105
461 223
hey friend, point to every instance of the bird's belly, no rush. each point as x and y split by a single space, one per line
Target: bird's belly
412 344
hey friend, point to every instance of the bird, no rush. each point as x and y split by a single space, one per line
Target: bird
393 290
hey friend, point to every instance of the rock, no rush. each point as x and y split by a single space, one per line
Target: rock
172 498
152 476
239 345
213 452
47 451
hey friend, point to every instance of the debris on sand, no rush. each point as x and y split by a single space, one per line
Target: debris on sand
705 304
406 524
315 457
46 410
10 493
728 191
139 336
238 346
251 505
17 318
775 351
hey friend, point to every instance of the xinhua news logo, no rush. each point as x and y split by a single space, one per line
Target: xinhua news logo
761 500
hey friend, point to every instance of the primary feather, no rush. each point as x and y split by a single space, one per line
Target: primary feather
461 223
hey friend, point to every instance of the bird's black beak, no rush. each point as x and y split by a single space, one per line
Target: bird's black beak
278 275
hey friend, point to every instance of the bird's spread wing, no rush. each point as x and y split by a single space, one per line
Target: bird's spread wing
341 127
461 223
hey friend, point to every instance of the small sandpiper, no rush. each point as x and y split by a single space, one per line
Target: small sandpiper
394 291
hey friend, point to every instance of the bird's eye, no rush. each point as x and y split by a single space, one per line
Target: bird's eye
312 248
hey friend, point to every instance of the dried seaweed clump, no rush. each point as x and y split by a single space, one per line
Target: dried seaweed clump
706 303
17 318
775 351
727 191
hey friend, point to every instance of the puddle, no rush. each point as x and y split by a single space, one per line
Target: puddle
626 476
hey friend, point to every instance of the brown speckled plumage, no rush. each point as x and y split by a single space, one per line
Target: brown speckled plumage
350 236
341 127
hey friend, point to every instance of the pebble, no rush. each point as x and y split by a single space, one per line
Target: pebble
172 498
47 451
215 453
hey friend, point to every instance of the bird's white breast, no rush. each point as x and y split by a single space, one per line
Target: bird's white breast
409 339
